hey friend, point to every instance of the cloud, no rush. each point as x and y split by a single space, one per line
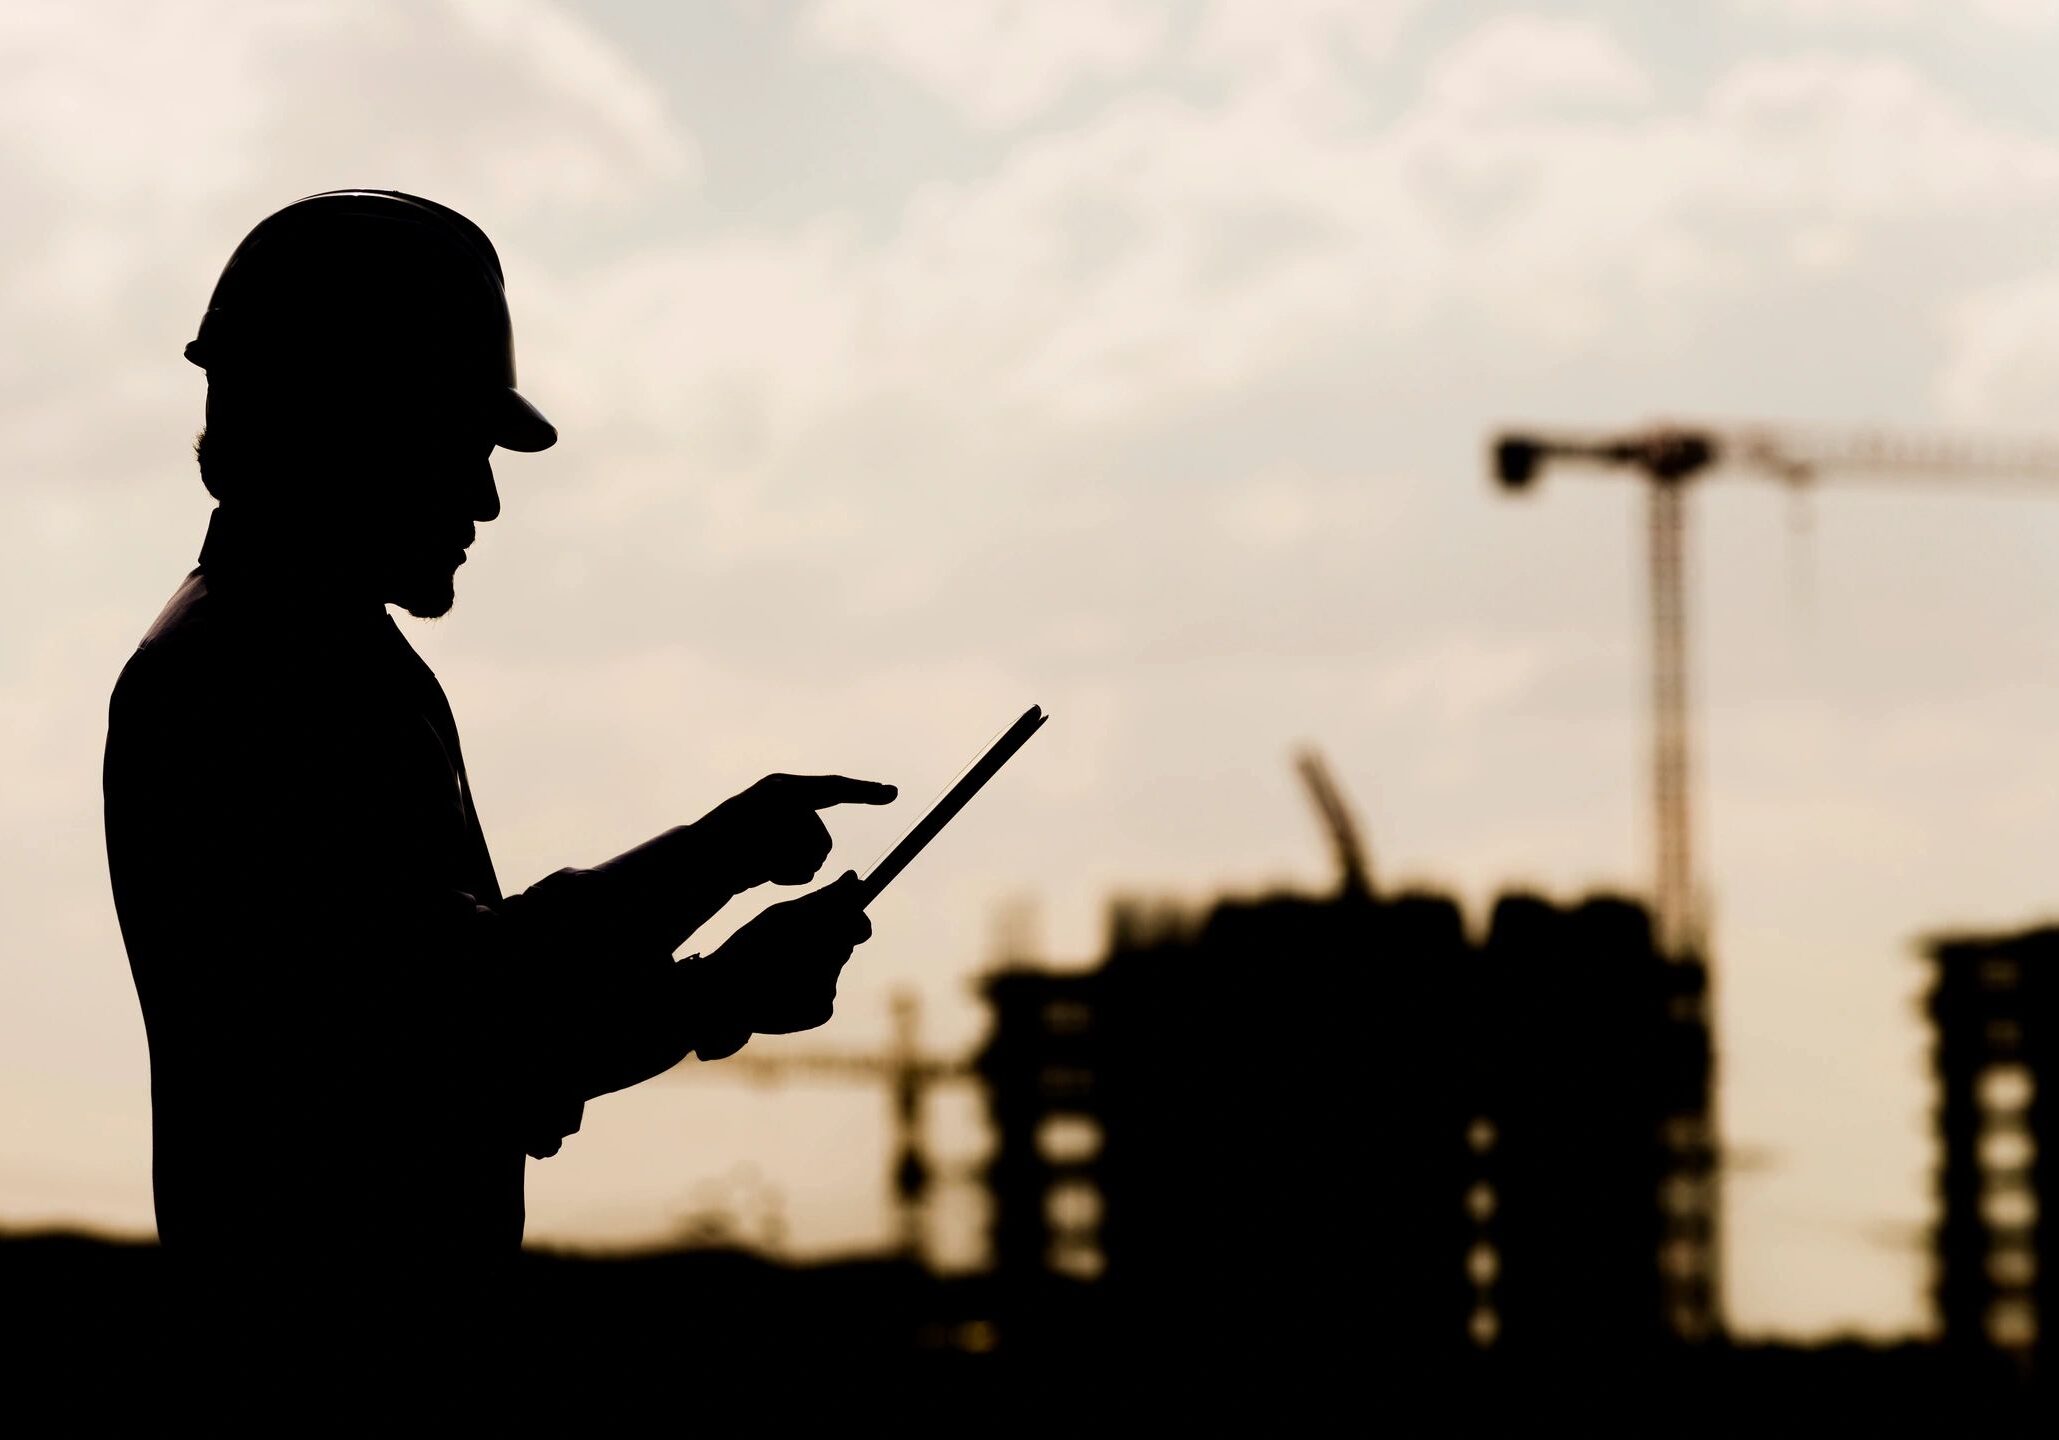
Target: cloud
2005 14
1165 248
738 340
998 62
1162 247
1272 511
1466 678
1294 42
1003 63
587 123
1564 226
1868 137
1524 64
1833 12
2001 360
122 115
1094 272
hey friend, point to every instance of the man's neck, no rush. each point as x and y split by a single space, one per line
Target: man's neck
264 558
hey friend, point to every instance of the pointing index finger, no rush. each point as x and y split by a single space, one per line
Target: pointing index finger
818 792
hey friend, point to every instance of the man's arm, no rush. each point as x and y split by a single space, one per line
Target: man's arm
775 975
276 856
662 891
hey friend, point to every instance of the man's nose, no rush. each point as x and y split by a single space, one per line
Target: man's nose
485 496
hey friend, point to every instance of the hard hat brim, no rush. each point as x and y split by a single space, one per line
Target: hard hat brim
520 425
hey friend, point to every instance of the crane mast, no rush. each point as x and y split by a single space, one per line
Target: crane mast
1673 898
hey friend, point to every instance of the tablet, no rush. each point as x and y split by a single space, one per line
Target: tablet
981 771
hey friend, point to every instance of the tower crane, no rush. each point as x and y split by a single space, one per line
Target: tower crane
1669 456
908 1072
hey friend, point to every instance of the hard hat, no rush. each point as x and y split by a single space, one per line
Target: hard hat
370 286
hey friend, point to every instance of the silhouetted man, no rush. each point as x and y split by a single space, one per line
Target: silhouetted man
354 1036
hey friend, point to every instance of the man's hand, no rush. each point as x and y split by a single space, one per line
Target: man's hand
771 831
669 886
778 974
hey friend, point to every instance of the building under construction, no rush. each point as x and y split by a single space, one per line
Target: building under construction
1994 1006
1317 1125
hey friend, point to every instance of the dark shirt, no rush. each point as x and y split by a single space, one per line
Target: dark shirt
354 1037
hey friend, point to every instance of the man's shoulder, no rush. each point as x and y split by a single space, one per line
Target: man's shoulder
184 644
186 623
187 618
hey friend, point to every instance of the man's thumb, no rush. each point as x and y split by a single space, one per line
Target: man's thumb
841 887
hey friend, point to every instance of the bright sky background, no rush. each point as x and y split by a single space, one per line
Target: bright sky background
916 361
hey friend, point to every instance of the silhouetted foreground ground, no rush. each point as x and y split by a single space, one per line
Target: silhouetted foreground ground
666 1334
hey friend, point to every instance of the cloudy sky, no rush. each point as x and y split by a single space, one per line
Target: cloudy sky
920 359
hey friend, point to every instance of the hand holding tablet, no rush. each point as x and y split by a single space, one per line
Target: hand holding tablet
778 973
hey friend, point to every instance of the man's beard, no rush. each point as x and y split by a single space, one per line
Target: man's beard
426 591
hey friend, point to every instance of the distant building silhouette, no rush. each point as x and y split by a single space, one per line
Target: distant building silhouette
1317 1123
1595 1064
1994 1003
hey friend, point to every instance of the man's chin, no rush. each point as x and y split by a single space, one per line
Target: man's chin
428 598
